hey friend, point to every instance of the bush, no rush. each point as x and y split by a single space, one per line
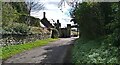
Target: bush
55 33
95 52
17 28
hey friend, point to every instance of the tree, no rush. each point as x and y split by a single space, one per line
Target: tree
71 3
9 14
113 27
33 5
88 17
98 20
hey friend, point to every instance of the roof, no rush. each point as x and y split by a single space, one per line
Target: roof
46 23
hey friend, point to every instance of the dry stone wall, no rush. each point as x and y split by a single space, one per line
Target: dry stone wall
15 39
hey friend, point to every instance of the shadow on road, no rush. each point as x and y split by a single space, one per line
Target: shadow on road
55 54
58 54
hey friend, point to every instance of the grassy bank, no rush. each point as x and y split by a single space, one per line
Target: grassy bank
15 49
94 51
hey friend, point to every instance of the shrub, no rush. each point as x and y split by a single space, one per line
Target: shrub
94 52
55 33
17 28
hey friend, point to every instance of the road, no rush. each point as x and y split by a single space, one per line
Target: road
54 52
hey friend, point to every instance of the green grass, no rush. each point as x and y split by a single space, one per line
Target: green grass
15 49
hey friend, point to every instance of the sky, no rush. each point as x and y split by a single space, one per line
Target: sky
53 12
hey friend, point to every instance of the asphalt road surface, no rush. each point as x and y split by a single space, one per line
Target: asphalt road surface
54 52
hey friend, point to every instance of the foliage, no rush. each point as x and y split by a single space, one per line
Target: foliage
94 52
20 7
17 28
15 17
9 14
88 18
97 20
15 49
55 33
114 26
35 22
38 30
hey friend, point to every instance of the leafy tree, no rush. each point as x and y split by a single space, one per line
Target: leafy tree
17 13
8 14
98 20
88 17
20 7
114 26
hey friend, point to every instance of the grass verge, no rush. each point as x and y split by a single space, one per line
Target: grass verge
15 49
94 52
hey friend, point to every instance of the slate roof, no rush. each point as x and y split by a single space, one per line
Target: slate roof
45 22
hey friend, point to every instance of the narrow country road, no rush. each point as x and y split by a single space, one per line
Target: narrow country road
54 52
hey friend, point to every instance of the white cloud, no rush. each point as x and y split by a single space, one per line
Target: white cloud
53 12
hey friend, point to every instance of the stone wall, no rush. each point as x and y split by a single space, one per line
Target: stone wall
15 39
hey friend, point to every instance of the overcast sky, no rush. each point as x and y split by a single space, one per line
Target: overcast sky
53 12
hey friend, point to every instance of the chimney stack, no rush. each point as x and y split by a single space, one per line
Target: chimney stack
44 15
57 21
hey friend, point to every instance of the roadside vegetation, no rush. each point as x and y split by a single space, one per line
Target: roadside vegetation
99 28
16 19
95 52
9 51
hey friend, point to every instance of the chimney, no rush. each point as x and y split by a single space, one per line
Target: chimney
57 21
44 15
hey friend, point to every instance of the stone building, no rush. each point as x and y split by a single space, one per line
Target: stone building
56 29
65 32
